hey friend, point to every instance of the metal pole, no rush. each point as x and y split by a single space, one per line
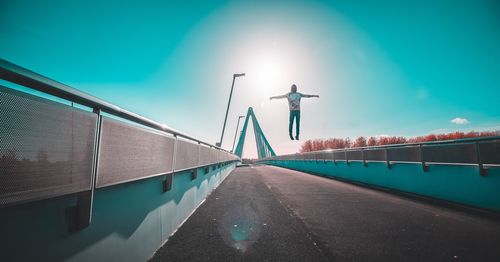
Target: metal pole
236 132
227 110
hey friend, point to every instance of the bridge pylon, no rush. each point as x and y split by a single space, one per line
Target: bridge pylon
264 149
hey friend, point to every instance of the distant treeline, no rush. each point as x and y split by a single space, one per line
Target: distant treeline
339 143
25 175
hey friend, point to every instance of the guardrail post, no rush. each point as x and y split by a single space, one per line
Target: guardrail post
346 157
206 168
167 183
194 171
214 165
387 161
79 216
482 171
425 167
363 157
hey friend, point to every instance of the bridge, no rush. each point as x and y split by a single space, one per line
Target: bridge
85 180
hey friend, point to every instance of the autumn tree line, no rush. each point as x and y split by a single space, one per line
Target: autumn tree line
340 143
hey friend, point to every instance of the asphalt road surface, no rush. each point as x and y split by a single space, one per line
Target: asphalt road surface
265 213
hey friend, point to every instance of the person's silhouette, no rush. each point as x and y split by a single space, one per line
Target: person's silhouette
294 105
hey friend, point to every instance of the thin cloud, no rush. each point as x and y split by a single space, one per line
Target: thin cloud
460 121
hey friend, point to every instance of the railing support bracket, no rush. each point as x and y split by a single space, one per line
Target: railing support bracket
482 170
363 157
425 167
79 216
346 158
194 173
167 183
387 161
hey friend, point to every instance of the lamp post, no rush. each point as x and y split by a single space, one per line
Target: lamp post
227 110
236 132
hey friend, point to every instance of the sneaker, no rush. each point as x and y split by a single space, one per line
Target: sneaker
291 137
297 137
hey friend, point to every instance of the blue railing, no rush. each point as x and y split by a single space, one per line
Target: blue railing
484 152
49 149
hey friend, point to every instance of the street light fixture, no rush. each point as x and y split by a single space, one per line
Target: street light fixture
227 110
236 132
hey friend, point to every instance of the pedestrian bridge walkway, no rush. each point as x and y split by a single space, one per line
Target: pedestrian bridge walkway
82 179
265 213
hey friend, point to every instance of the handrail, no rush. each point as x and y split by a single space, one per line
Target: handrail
476 158
431 143
22 76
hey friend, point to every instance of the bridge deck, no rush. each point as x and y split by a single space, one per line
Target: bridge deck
265 213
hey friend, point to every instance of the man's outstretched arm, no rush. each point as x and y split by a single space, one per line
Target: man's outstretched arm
278 97
304 95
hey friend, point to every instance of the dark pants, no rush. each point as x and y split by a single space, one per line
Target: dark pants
294 115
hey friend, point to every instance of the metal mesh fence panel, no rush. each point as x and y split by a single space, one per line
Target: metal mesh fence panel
46 148
404 154
490 152
205 158
375 154
186 155
129 153
324 155
453 153
354 155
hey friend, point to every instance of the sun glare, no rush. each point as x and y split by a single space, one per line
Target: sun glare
268 72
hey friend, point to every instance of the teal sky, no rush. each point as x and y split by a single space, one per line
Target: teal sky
381 67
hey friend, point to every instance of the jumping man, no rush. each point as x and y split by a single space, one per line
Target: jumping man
294 105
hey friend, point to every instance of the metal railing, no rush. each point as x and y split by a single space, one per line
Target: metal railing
483 152
22 76
49 149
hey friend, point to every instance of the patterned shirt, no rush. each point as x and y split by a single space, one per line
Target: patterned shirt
294 100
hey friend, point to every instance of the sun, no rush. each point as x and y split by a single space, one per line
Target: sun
267 70
268 74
